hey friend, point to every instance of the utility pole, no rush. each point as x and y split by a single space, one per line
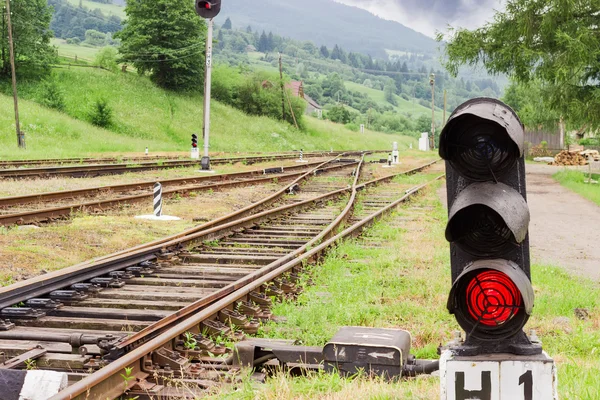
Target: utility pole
432 83
205 162
20 135
282 89
445 105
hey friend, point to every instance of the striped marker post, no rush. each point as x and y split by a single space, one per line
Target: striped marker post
158 200
301 155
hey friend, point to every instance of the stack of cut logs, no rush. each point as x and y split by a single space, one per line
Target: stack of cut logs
565 158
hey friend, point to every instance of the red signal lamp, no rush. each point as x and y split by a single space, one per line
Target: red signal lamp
208 8
492 299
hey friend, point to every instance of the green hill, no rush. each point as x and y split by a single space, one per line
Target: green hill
145 115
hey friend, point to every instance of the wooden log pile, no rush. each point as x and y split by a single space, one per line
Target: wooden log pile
567 158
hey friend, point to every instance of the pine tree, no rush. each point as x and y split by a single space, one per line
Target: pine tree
263 43
271 42
166 39
324 51
220 40
32 34
228 25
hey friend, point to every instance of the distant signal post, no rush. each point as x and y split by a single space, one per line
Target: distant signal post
207 9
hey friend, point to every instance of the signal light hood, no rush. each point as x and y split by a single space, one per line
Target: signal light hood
497 197
483 139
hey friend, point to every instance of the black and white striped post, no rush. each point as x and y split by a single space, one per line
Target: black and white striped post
158 199
301 155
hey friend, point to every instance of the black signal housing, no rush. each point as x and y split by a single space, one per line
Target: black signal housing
488 219
208 8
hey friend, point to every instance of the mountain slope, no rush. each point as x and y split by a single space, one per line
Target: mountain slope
144 115
326 22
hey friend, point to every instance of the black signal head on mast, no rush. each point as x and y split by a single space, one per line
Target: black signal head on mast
208 8
488 221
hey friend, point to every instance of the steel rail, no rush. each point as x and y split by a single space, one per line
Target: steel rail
74 160
178 315
107 382
137 337
57 212
44 197
105 169
23 291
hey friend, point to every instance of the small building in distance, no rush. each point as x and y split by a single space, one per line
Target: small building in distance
297 89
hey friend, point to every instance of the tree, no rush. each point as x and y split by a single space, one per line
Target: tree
166 39
263 43
389 94
228 25
324 51
556 42
32 34
339 114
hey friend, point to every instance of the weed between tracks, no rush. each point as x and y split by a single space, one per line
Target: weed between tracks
397 275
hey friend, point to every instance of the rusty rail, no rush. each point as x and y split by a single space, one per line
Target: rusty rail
108 169
107 382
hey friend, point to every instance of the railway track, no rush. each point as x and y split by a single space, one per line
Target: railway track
139 310
46 207
91 170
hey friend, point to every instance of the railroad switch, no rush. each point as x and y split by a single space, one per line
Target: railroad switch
377 352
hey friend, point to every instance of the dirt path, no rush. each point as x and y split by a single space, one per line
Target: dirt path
565 227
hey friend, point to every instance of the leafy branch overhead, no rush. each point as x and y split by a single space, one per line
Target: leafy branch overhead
554 44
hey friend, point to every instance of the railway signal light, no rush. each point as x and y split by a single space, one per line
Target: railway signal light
194 141
208 8
488 220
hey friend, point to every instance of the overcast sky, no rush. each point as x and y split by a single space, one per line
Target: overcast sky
429 16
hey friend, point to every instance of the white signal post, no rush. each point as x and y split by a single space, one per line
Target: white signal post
207 94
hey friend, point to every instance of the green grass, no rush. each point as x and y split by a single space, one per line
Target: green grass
71 50
405 285
145 115
107 9
405 107
574 180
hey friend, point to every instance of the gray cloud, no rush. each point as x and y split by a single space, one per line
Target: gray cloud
430 16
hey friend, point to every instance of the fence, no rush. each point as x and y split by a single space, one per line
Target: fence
537 137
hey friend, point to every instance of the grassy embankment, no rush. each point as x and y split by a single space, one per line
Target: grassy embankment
575 181
404 284
145 115
409 108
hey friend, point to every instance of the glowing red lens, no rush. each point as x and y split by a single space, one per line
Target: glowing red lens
493 298
207 5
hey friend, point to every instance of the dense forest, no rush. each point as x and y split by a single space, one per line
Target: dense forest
78 23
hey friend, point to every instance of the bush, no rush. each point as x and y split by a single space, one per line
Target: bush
107 59
339 114
101 114
74 40
52 96
590 142
352 127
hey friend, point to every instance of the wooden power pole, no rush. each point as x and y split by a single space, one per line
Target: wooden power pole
445 105
282 89
20 135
